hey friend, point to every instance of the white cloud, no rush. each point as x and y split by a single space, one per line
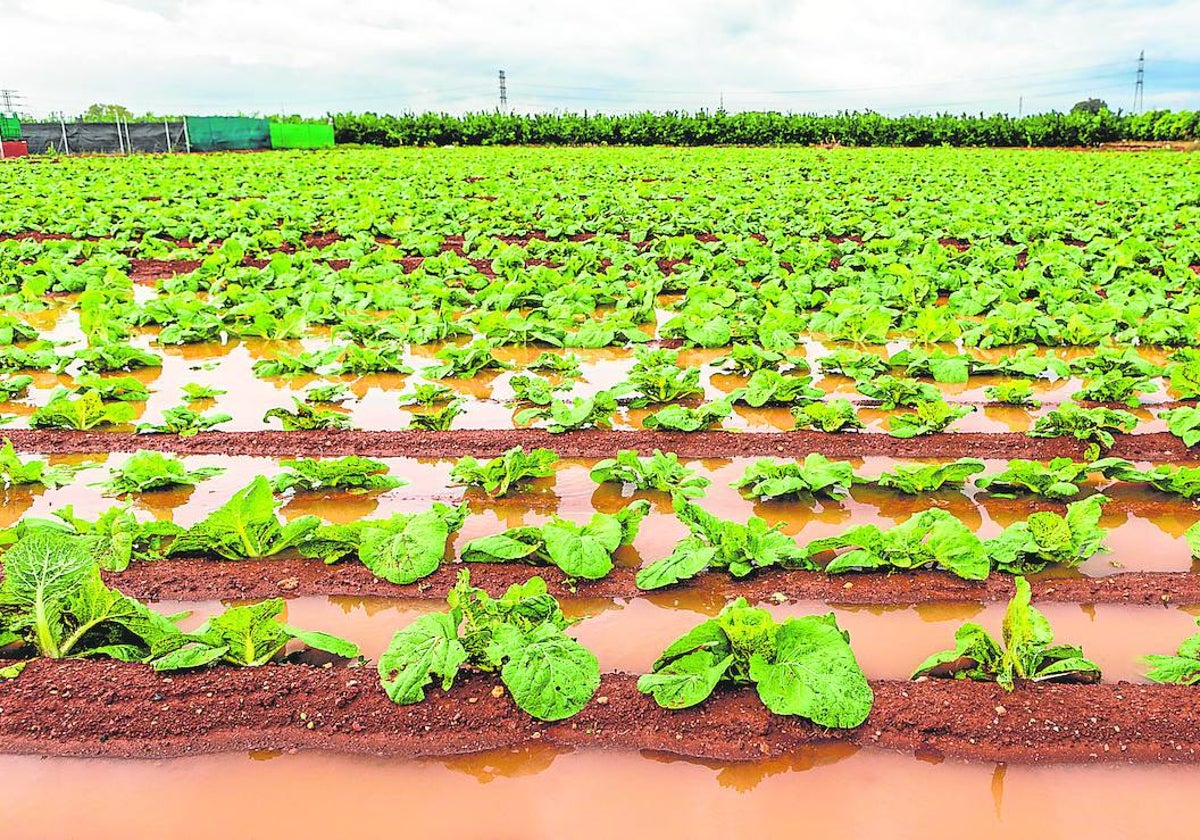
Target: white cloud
312 57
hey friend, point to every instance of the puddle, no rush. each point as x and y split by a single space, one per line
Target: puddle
538 793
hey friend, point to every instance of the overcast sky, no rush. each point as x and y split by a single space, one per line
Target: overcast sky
318 56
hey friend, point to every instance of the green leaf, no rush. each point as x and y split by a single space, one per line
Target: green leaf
814 674
551 676
686 681
244 527
427 648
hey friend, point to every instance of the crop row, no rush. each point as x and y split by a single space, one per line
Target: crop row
54 604
406 547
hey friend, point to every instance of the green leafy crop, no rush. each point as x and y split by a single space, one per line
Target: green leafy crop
400 549
1181 669
87 411
1060 478
727 546
581 551
520 635
14 471
930 538
245 527
681 418
185 422
353 473
929 417
1026 651
835 415
661 472
915 479
593 412
769 387
306 417
509 472
802 667
246 637
146 471
1092 425
816 476
1046 538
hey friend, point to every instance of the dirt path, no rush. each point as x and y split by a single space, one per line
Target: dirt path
1160 447
102 708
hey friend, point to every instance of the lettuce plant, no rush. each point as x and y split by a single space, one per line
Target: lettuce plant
1092 425
353 473
438 419
1181 669
14 471
509 472
307 417
802 666
680 418
927 419
769 387
466 361
244 527
834 415
145 471
185 422
580 551
86 411
1045 538
1012 393
816 476
14 387
893 392
195 392
727 546
427 394
1025 651
915 479
533 390
1058 479
593 412
1184 423
112 388
661 472
746 359
931 538
563 364
115 538
520 635
246 637
401 549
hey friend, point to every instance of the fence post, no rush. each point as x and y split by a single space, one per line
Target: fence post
167 131
120 139
66 145
128 139
187 140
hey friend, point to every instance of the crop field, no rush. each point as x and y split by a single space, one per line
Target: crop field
528 484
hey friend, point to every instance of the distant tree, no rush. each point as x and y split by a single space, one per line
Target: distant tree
1089 106
98 112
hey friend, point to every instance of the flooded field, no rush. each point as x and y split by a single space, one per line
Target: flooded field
537 794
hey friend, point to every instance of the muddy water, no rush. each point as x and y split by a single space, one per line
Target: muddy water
374 406
1145 527
537 793
889 642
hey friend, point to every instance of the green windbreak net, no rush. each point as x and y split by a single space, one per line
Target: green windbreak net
301 135
210 134
10 128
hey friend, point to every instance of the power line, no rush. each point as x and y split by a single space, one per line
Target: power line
9 100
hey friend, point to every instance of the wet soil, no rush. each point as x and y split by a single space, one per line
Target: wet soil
191 579
101 708
1160 447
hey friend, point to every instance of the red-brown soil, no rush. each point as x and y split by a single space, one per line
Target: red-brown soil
103 708
194 579
1160 447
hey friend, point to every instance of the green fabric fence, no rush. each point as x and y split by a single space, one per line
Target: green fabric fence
301 135
10 128
211 134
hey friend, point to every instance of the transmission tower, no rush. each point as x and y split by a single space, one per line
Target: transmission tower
1139 88
9 100
503 92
